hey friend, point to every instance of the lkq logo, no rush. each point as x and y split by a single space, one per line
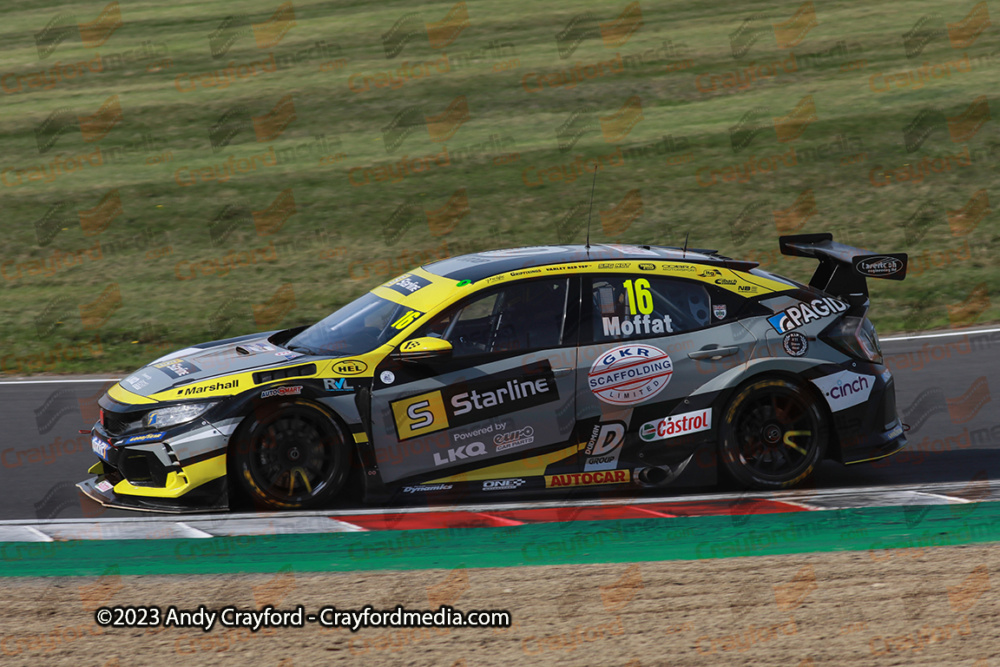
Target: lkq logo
802 314
630 374
675 426
460 453
845 389
502 484
514 438
604 446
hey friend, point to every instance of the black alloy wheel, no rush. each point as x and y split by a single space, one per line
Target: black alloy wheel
290 456
773 436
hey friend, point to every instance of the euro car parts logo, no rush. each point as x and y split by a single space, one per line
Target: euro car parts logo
803 313
961 35
440 34
440 127
469 402
92 34
630 374
675 426
92 127
514 438
266 127
267 34
787 34
613 34
605 446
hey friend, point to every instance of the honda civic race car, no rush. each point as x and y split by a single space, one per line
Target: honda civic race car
523 370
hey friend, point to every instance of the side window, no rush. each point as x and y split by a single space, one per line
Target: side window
521 317
631 307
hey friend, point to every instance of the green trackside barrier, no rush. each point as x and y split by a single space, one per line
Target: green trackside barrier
632 540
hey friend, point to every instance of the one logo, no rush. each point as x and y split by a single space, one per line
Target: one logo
676 426
845 389
882 266
795 344
469 402
605 446
720 310
502 484
799 315
630 374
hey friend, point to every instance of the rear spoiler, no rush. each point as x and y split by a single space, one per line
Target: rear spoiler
843 270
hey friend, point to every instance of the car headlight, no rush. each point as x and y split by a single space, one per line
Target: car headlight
174 415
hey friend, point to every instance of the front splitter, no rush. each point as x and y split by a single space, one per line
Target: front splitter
209 497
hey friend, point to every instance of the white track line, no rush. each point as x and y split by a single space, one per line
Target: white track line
70 380
45 538
943 334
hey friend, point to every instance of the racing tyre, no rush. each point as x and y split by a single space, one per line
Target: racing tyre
773 435
290 456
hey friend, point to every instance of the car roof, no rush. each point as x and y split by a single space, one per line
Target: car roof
477 266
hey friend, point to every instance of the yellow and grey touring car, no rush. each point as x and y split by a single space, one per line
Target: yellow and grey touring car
517 371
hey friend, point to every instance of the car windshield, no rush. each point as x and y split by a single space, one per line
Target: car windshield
358 327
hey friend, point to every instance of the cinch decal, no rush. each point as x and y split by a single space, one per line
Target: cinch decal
845 389
470 402
630 374
799 315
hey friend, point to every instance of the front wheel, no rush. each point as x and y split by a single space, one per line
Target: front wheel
290 456
773 436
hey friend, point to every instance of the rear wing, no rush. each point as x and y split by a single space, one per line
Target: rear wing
843 270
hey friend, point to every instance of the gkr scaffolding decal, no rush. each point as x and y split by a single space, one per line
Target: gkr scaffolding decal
604 446
799 315
675 426
845 389
478 400
630 374
588 478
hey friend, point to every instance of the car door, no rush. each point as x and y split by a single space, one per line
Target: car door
503 394
655 352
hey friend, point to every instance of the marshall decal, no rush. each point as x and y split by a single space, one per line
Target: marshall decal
470 402
799 315
204 389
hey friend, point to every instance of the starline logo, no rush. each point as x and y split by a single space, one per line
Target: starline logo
613 33
440 34
92 34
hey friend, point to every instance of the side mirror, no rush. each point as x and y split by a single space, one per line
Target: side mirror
422 349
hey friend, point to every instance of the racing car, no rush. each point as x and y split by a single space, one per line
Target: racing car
525 370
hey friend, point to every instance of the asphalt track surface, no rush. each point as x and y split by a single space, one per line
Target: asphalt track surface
943 390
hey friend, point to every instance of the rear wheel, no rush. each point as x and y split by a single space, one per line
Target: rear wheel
290 456
773 436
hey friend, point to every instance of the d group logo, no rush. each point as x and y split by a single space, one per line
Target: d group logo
613 34
92 34
440 34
